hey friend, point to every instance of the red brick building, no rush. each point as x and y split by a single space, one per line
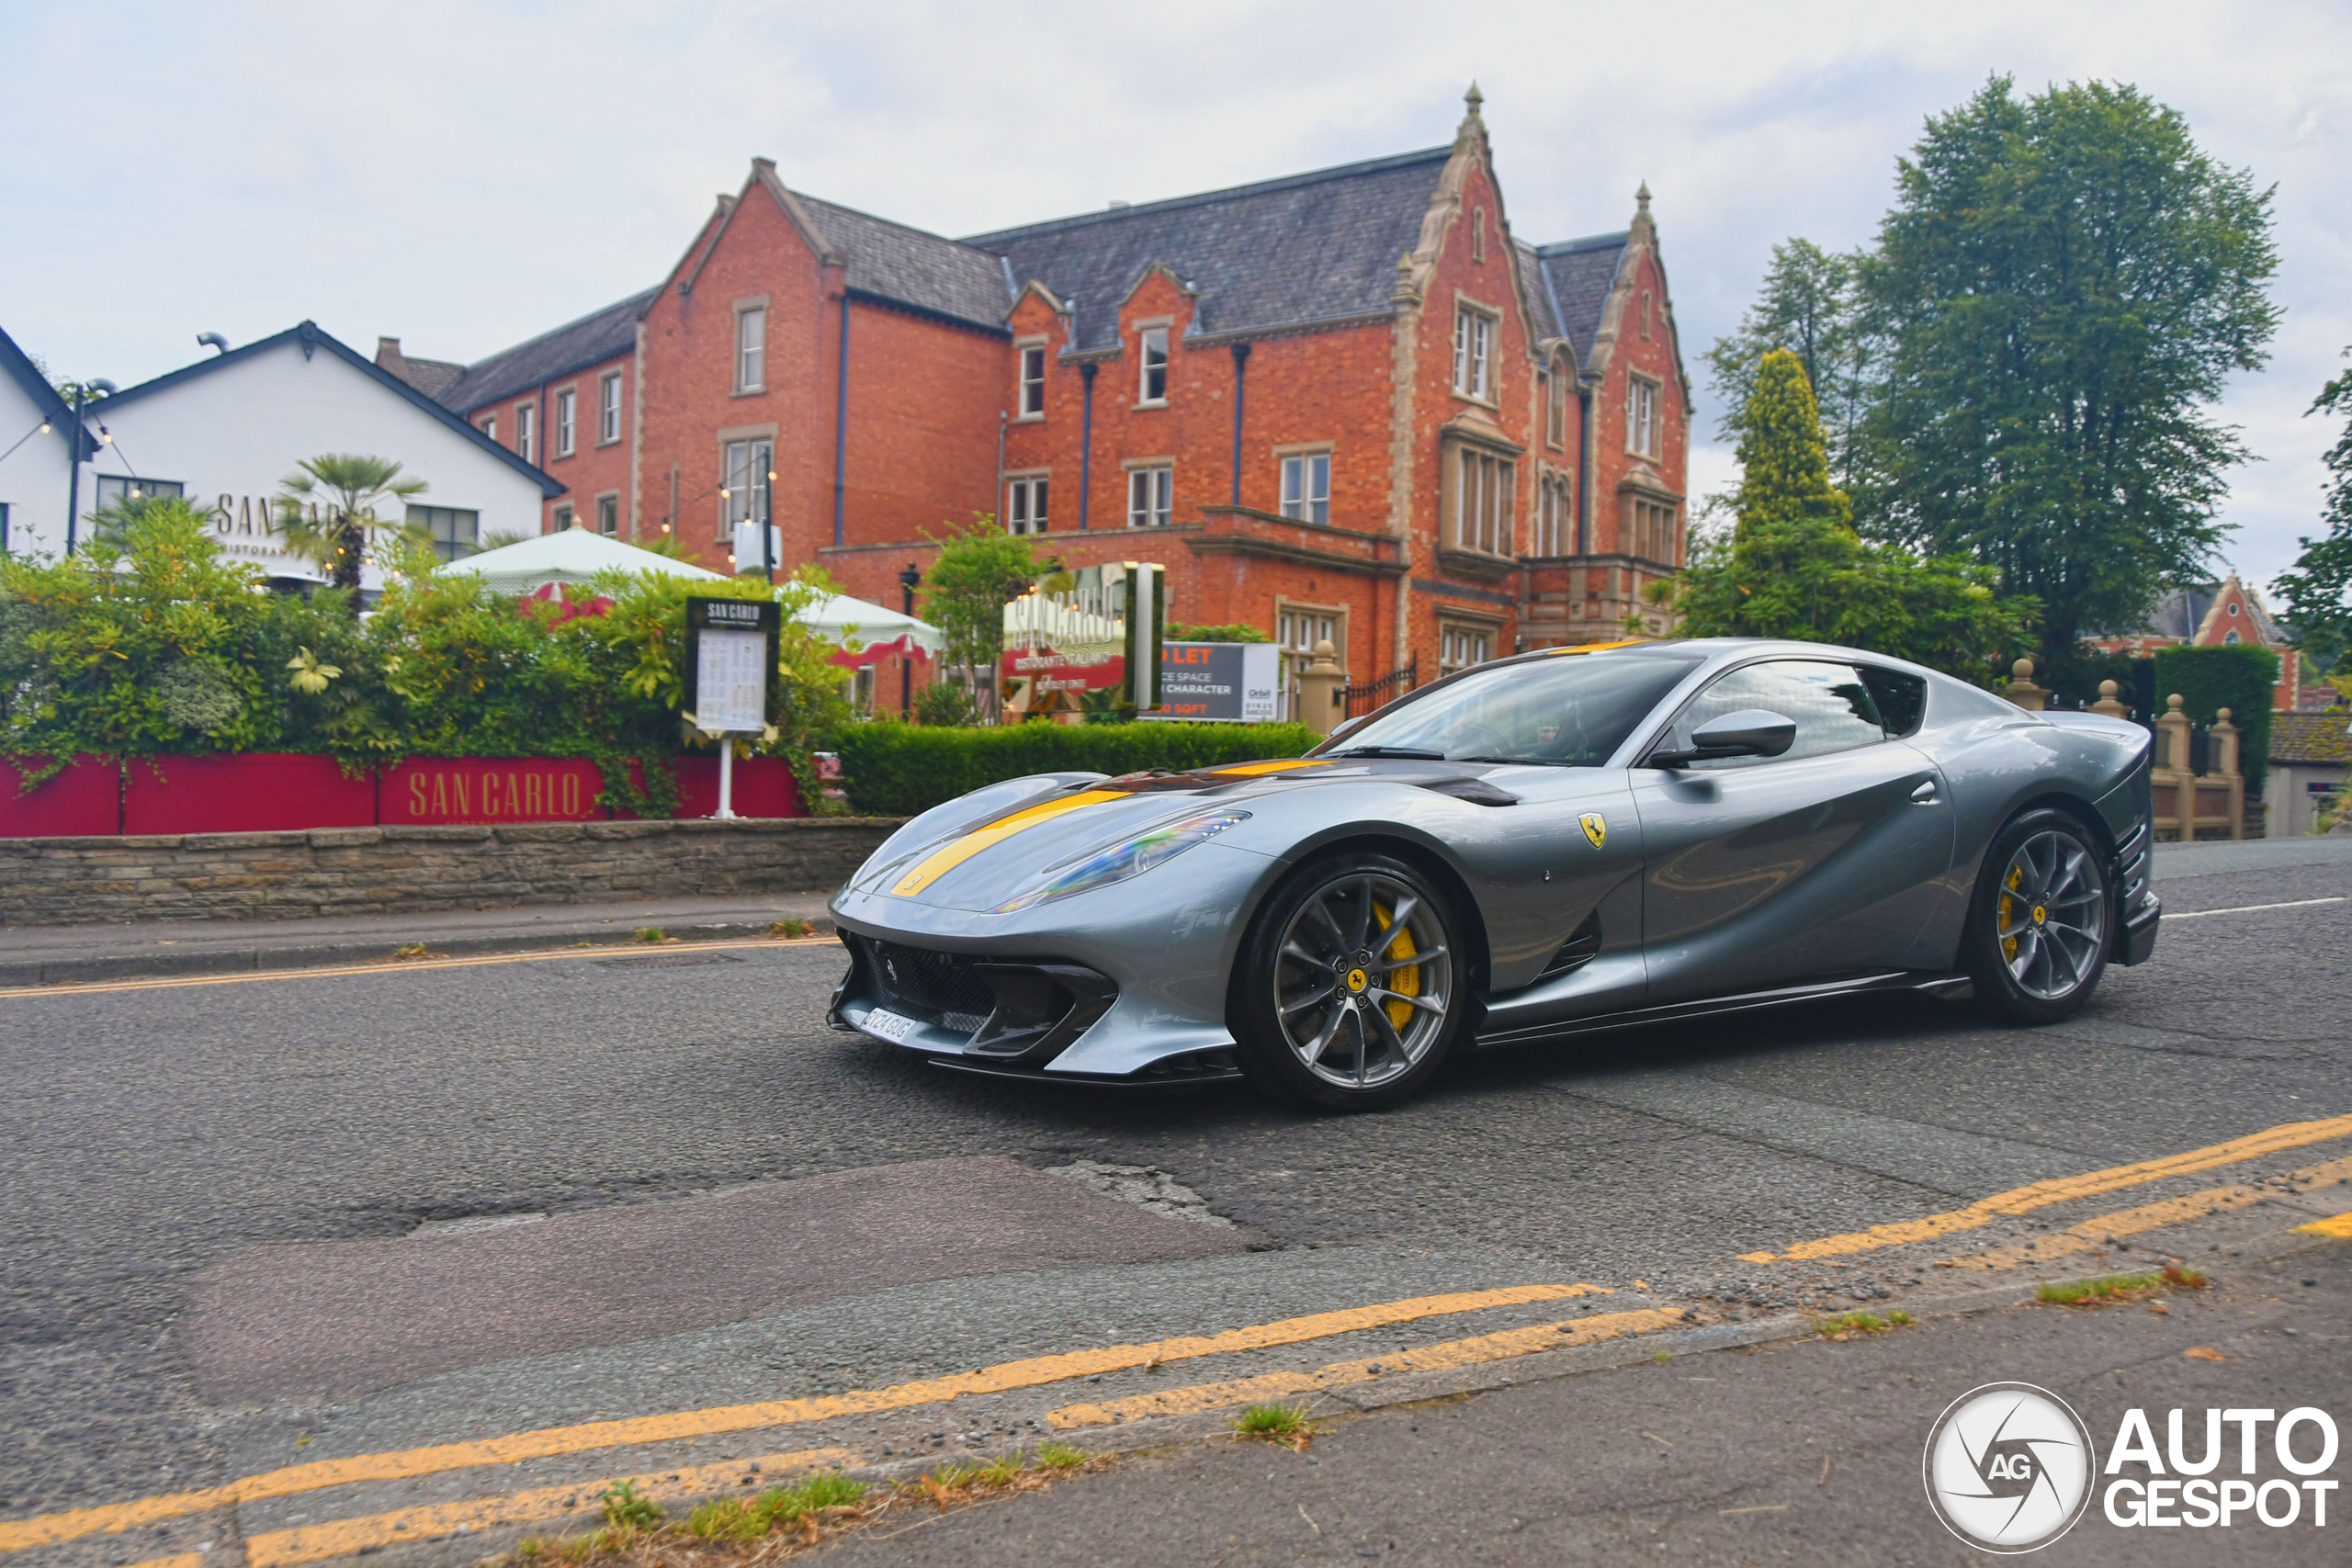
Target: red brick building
1349 404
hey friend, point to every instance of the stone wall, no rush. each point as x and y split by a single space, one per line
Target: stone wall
351 871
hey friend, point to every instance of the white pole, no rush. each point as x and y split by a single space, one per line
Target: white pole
726 812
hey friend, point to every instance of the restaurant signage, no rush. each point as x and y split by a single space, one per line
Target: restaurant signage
1096 628
730 650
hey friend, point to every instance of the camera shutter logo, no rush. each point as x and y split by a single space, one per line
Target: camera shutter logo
2008 1467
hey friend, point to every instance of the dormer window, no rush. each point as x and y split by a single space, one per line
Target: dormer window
1152 388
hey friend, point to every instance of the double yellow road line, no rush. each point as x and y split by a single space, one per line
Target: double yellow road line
288 1547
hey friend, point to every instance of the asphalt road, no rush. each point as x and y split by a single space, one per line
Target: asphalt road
250 1224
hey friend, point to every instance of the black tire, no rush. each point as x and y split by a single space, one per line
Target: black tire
1391 1010
2041 922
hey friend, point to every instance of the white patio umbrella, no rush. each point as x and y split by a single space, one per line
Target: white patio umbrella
879 630
574 556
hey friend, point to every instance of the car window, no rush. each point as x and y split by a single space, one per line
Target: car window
1830 703
1902 699
1569 710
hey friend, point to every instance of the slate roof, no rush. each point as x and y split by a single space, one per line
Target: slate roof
2179 612
1306 248
575 346
914 267
1576 278
2310 738
432 376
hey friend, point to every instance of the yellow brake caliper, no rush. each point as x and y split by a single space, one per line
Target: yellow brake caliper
1404 982
2009 937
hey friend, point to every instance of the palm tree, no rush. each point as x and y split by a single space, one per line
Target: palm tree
341 491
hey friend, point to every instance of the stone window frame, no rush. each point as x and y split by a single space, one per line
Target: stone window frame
1453 621
724 438
527 431
1166 507
563 441
1022 347
1166 327
1453 450
563 516
1555 522
1038 519
1298 451
1468 311
1558 383
608 410
749 305
1635 427
1292 655
487 425
608 505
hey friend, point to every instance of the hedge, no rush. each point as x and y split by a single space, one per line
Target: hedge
897 770
2238 678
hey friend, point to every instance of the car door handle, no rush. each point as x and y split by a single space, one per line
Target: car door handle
1926 792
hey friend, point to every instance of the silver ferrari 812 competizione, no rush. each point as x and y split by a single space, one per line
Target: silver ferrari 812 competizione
1563 842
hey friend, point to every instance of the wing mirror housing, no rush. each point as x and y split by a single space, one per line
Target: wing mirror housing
1750 732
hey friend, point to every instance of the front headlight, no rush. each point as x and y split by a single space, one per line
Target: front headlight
1133 857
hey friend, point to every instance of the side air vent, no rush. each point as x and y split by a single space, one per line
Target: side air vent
1578 951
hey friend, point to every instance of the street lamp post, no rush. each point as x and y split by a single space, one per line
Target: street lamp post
910 579
74 444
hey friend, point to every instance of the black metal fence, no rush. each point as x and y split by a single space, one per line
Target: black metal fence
1373 694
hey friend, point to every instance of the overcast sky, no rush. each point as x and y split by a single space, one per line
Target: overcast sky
463 177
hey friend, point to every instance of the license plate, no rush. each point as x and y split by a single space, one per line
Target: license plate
890 1025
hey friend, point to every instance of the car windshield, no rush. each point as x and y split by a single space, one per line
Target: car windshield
1570 710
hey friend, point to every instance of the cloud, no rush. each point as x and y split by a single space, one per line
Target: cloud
464 177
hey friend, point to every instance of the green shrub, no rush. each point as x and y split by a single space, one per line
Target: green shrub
898 770
2238 678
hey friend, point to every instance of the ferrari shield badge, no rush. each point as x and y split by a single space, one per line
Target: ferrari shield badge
1596 828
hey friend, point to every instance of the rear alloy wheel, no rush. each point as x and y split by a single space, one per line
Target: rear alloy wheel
1349 994
2042 927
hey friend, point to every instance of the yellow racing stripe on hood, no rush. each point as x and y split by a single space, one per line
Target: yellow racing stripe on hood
1249 770
947 857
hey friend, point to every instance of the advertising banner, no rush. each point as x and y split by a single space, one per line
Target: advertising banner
1221 682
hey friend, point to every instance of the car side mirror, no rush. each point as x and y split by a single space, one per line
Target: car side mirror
1750 732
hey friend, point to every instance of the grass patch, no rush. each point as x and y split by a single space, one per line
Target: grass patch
790 926
1284 1424
1860 1325
783 1521
409 952
653 933
2109 1290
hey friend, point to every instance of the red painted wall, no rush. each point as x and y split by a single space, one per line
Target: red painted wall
253 794
85 798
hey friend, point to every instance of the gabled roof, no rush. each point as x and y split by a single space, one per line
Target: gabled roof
311 338
913 267
594 338
2310 738
432 376
1310 247
1577 276
19 367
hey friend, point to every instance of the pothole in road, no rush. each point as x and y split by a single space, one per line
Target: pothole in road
1144 1187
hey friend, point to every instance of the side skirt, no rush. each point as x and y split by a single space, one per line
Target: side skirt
1947 986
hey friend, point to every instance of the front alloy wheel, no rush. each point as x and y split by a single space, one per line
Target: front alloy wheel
1349 993
2041 933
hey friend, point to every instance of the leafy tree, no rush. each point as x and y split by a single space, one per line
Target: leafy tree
1793 567
2061 290
978 571
1808 305
342 490
2317 591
